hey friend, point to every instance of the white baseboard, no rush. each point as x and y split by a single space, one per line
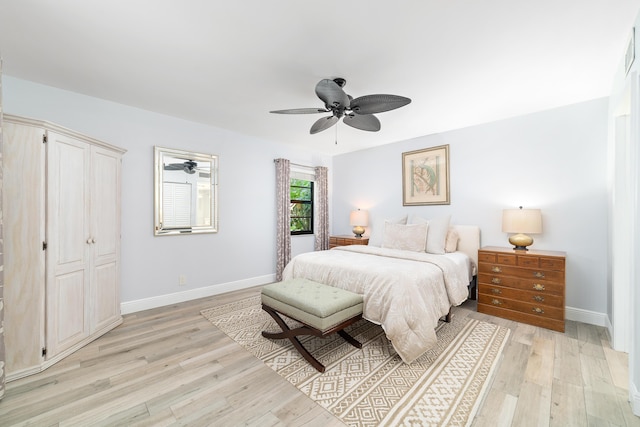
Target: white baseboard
586 316
634 398
191 294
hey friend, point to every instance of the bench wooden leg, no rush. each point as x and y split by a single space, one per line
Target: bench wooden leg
351 340
292 334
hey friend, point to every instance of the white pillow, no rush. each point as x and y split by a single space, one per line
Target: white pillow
377 229
451 242
437 235
411 237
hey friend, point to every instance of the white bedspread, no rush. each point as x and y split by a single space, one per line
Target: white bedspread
405 292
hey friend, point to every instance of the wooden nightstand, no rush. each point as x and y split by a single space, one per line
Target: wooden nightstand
347 240
525 286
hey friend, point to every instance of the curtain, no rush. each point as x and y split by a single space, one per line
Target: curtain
322 210
2 352
283 230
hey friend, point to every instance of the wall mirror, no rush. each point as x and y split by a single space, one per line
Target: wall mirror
186 192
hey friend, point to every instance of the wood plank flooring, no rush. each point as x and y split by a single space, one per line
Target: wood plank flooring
169 366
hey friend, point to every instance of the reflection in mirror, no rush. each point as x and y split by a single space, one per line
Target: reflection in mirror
186 192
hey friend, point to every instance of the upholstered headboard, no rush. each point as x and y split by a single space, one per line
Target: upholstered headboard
469 242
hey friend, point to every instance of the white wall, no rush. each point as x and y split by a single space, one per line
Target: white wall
241 254
553 160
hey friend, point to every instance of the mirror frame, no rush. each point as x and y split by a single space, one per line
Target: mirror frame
159 156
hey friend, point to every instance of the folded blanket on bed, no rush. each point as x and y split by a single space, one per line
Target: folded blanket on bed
405 292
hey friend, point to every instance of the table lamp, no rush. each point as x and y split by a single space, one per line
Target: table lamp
522 222
358 220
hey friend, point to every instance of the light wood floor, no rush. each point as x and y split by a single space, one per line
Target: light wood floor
170 366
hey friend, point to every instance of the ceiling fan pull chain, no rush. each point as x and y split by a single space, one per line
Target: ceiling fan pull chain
336 135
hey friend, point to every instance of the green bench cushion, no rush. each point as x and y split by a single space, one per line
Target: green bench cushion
315 304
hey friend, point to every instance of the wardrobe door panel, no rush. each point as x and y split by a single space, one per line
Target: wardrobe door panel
106 304
105 226
68 195
69 325
105 206
68 255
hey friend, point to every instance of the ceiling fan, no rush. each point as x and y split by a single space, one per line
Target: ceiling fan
357 113
188 167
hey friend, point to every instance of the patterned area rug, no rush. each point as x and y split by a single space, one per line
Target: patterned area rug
372 386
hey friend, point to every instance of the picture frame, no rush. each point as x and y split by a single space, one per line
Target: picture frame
425 176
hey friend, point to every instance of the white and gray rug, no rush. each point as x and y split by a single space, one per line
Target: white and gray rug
372 386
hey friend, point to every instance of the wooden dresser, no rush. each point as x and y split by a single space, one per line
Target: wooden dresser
525 286
347 240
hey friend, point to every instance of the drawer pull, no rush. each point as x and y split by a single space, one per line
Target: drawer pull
538 298
496 302
538 275
496 291
496 280
496 269
538 287
538 310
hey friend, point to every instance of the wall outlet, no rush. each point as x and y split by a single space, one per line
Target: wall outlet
182 280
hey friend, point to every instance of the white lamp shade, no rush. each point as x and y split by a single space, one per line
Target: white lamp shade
526 221
359 218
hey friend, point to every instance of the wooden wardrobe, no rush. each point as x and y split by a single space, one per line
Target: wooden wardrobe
62 242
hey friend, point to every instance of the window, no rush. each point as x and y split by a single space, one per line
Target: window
301 206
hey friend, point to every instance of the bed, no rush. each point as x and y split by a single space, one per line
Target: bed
405 289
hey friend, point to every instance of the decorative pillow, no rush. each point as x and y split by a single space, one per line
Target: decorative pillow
437 235
451 242
410 237
377 229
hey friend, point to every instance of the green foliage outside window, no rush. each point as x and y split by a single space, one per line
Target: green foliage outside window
301 206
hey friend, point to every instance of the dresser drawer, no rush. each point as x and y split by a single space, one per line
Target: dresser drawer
541 286
522 295
507 259
531 319
544 263
537 310
525 273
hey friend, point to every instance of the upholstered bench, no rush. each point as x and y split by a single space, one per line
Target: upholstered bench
322 309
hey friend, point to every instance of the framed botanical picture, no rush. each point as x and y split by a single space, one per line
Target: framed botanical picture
425 176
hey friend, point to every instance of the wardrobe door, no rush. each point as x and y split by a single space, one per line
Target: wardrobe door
24 257
69 242
104 212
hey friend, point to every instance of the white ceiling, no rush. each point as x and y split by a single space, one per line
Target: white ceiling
228 63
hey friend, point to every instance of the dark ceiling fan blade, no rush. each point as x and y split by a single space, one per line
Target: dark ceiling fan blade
331 94
188 166
371 104
301 111
323 124
363 122
174 167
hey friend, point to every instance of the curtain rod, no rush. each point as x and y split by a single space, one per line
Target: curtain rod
297 164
